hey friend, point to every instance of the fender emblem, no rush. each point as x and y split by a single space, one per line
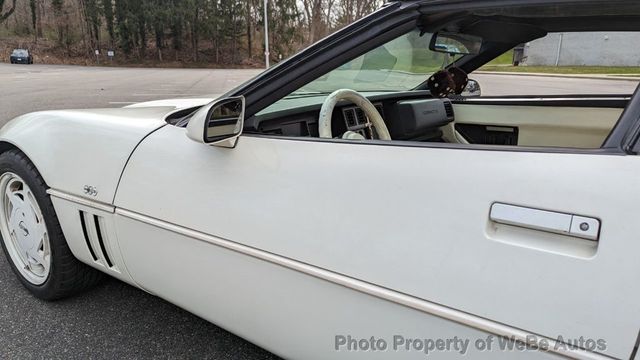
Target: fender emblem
90 190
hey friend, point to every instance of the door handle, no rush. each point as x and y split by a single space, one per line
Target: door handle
550 221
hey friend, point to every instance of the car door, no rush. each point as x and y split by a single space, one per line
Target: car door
577 121
292 229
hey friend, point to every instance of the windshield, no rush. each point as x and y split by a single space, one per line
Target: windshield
19 53
399 65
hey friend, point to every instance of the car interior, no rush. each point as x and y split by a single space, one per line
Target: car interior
416 88
417 116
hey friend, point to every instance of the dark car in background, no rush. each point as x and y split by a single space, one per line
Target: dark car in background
21 56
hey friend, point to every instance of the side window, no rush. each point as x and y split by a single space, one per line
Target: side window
552 92
571 63
563 90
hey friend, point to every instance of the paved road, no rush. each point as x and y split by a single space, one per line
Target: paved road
509 84
116 320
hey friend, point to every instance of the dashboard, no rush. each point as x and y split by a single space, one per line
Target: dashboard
411 116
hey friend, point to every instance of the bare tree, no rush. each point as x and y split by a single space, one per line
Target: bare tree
4 16
314 13
216 31
352 10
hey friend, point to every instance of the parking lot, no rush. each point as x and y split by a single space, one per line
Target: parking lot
45 87
116 320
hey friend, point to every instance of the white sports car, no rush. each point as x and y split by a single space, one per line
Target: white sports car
359 200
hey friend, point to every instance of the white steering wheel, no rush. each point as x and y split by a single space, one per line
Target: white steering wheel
362 102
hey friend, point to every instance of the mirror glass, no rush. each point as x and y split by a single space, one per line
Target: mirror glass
225 121
456 44
473 89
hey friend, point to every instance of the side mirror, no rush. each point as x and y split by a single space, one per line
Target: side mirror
472 90
219 123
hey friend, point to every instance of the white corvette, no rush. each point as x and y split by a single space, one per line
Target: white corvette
358 200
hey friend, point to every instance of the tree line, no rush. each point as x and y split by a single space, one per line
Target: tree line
218 31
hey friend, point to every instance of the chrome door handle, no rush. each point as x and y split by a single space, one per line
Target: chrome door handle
549 221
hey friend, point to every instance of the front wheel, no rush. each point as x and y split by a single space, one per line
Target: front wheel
32 238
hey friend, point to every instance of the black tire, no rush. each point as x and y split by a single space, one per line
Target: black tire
67 275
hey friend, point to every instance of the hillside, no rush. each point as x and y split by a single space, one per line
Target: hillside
209 33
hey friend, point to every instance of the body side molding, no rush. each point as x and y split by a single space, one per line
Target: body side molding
392 296
82 201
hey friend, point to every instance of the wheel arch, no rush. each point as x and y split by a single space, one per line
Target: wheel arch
6 146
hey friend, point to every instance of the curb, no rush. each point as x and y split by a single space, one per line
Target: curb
569 76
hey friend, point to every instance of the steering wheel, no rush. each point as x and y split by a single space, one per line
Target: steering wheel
362 102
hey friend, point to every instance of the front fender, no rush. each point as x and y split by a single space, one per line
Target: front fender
73 149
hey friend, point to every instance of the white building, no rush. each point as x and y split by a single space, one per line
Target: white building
589 49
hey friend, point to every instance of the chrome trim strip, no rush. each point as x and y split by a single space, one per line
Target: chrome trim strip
365 287
82 201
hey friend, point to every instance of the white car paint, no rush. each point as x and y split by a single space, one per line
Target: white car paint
283 228
290 313
76 148
290 202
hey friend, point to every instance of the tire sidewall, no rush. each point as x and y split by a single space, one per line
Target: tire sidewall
11 163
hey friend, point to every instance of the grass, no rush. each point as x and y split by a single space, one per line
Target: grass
602 70
504 59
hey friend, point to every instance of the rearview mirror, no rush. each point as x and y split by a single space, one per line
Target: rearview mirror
456 44
219 123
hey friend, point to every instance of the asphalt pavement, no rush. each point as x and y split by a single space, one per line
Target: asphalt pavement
116 320
27 88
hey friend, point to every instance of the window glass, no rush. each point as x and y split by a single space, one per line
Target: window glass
399 65
572 63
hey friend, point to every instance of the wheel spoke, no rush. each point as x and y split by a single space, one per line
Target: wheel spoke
40 230
24 229
40 256
14 199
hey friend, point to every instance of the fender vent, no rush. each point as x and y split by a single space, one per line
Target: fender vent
95 238
86 236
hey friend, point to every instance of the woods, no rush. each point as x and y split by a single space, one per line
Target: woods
224 32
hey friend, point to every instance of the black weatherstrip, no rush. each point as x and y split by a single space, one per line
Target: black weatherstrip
588 101
625 134
451 146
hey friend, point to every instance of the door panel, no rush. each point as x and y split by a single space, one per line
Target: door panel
289 313
576 127
412 220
